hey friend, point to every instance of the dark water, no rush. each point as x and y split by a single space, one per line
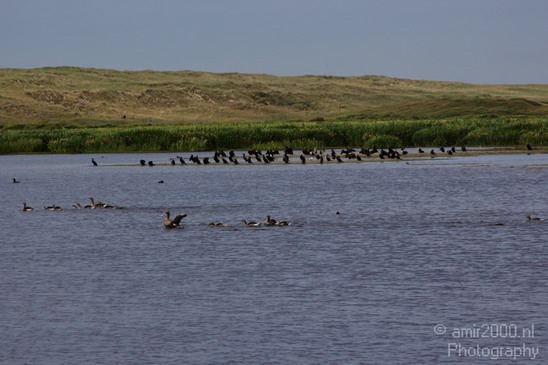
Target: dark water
442 241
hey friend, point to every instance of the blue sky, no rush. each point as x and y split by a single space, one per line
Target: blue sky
479 41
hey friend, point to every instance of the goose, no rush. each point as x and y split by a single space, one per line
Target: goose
150 163
251 223
53 208
283 223
93 162
96 205
269 221
534 218
303 159
15 181
529 147
216 224
172 223
27 208
142 162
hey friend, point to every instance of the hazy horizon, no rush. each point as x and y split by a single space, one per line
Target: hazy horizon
481 42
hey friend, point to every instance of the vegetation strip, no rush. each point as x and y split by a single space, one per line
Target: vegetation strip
470 131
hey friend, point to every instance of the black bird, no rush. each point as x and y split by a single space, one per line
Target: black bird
463 149
93 162
442 149
420 150
172 161
161 182
303 159
182 161
26 208
529 147
143 162
15 181
150 163
225 161
432 152
206 160
338 158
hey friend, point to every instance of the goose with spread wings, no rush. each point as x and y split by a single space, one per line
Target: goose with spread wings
172 223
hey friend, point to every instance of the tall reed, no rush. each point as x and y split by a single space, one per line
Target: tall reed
277 135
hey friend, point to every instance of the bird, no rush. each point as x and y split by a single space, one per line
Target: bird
93 162
150 163
303 159
283 223
269 221
26 208
53 207
161 182
95 205
463 148
251 223
216 224
15 181
529 147
172 223
534 218
142 162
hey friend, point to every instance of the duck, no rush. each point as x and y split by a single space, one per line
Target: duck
26 208
15 181
173 223
534 218
251 223
53 208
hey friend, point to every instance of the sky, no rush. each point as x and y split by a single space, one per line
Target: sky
476 41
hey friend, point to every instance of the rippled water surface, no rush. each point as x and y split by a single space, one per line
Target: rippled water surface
437 241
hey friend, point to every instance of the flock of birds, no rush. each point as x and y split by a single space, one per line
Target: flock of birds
267 157
169 222
321 156
177 220
270 156
93 205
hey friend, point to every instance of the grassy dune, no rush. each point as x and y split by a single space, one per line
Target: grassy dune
66 109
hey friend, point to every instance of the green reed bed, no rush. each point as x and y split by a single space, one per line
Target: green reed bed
276 135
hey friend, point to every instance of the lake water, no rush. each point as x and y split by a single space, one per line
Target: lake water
429 243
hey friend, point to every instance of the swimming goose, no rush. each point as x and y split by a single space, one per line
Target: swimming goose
216 224
283 223
534 218
27 208
172 223
251 223
15 181
269 221
53 208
